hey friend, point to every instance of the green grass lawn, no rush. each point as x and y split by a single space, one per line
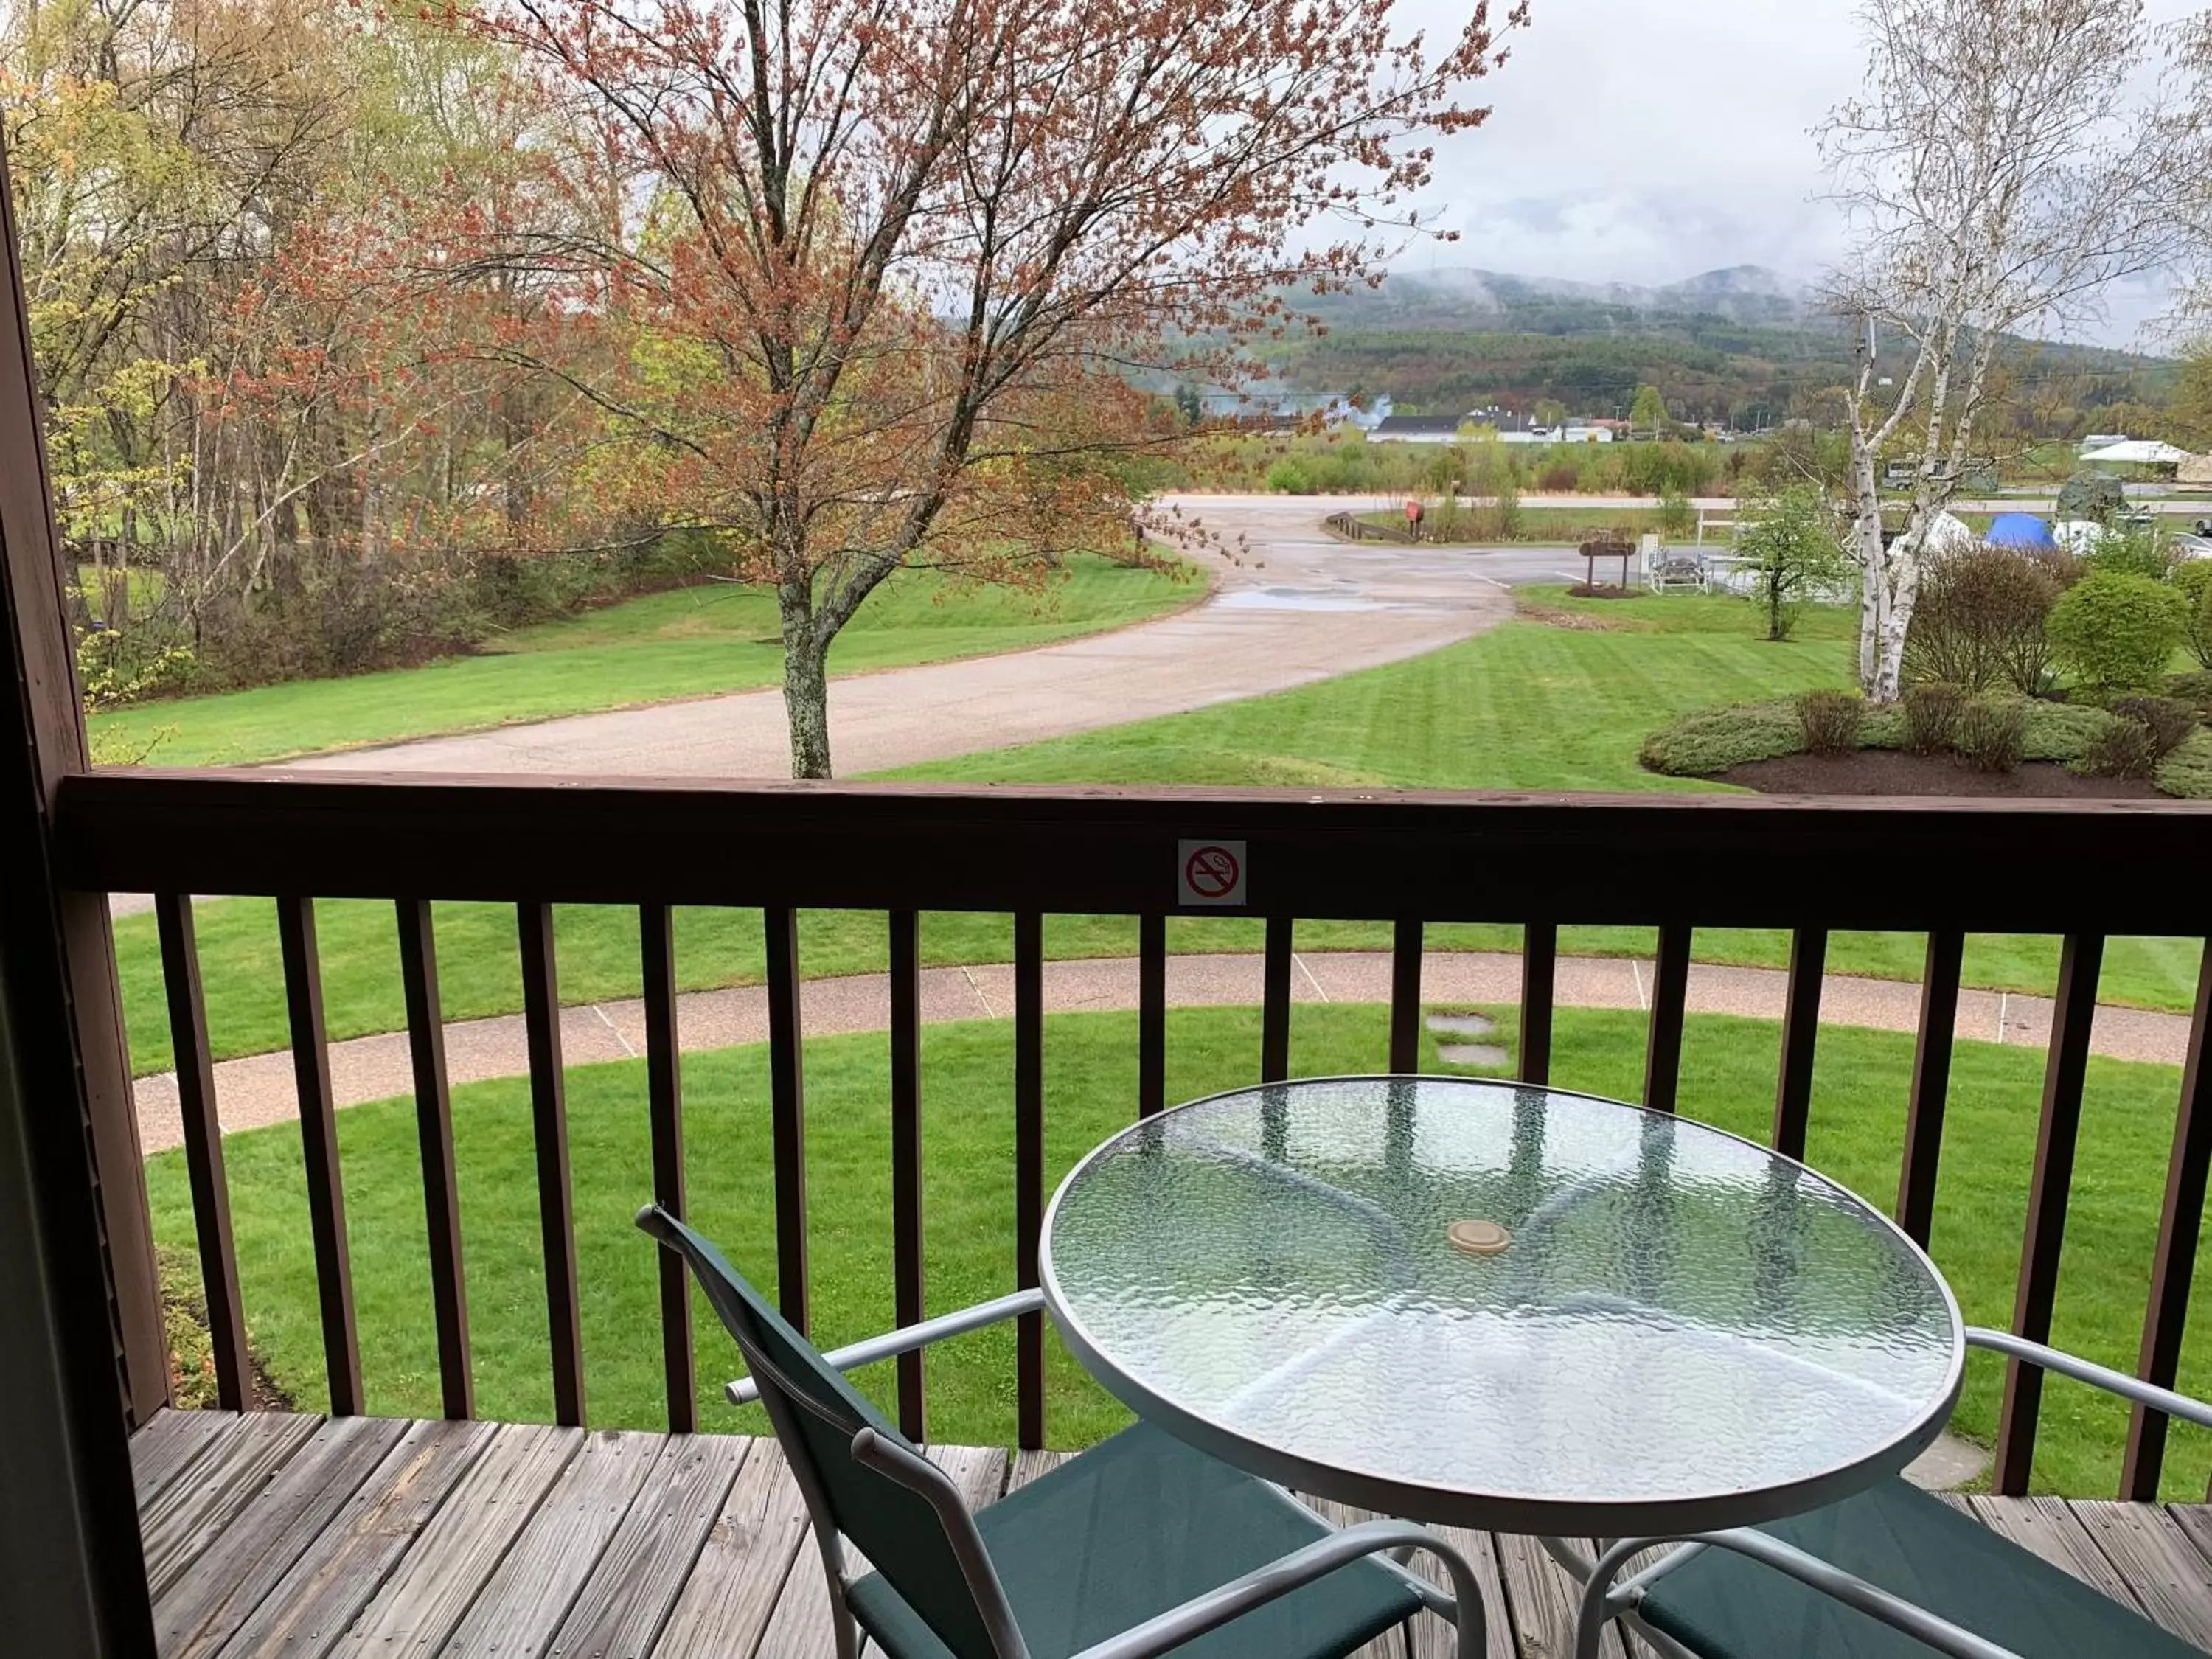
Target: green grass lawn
1526 706
1729 1072
691 642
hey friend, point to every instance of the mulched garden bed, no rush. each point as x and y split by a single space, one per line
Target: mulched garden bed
1892 772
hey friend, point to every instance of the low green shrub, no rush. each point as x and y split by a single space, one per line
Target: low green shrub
1992 733
2169 720
1830 721
1709 741
2061 730
2187 772
2115 632
2135 552
1883 728
1931 717
2193 688
2193 580
1289 477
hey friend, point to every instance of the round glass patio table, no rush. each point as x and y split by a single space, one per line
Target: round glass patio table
1500 1306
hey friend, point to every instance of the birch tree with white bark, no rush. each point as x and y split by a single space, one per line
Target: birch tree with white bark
2005 161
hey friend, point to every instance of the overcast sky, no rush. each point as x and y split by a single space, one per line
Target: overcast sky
1646 141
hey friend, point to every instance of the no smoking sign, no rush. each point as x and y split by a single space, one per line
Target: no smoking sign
1210 873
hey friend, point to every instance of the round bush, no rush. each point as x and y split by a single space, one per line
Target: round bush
1992 732
2115 632
1830 721
1931 717
1979 622
2169 720
2193 580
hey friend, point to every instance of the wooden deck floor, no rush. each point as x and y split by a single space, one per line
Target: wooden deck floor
273 1533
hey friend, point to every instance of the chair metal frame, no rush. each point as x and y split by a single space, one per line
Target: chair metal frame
1603 1602
1389 1542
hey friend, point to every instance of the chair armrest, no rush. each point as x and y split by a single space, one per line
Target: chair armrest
908 1338
1600 1605
1293 1571
2096 1376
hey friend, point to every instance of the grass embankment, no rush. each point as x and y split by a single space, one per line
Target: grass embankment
690 642
1527 706
1728 1074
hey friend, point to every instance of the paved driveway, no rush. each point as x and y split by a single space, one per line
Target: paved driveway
1292 605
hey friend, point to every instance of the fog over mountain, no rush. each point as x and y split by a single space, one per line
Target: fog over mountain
1492 299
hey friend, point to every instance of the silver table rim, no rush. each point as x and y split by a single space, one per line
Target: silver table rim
1513 1512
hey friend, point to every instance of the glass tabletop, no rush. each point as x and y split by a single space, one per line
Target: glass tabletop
1496 1305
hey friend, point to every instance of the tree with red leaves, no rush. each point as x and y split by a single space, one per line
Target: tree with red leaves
878 283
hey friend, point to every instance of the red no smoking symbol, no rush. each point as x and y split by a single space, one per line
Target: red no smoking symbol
1212 871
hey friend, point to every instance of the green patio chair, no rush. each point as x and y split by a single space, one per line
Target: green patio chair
1892 1573
1138 1547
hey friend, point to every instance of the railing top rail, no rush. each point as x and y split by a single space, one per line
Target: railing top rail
2116 866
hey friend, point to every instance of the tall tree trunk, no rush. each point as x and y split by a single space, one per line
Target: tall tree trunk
806 684
1866 533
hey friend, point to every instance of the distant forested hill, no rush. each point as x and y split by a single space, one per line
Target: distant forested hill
1742 345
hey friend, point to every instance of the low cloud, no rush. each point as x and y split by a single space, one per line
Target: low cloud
1646 140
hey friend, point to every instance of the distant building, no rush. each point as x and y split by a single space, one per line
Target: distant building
1484 425
1416 429
2103 440
1274 407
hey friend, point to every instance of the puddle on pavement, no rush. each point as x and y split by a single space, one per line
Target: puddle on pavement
1293 598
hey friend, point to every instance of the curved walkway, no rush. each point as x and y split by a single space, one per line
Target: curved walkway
258 1089
1292 605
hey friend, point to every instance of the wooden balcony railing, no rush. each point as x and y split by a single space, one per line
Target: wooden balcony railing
2083 871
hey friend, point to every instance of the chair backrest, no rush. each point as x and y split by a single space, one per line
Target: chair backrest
816 1415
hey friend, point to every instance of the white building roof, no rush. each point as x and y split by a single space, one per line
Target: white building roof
2138 452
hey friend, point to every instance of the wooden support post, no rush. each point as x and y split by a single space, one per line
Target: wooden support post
786 1083
557 1213
1029 1171
318 1145
433 1130
907 1291
2049 1188
664 1102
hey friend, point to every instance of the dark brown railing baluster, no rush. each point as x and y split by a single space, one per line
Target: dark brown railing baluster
318 1143
2178 1225
1670 989
2052 1183
1540 967
541 1018
787 1074
1152 1015
1932 1085
906 1161
1275 1002
433 1129
188 1038
1405 996
1029 1171
664 1097
1801 1031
